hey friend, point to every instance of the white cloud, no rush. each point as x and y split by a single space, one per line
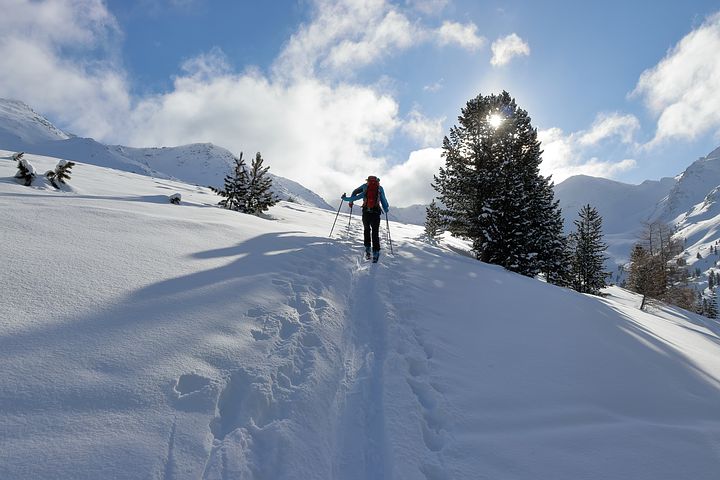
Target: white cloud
565 155
426 131
611 125
428 6
410 182
45 47
434 87
393 32
506 48
344 35
318 135
463 35
683 88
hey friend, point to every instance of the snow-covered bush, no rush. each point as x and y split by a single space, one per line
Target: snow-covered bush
26 172
175 198
61 173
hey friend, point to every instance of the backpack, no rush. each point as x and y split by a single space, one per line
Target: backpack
372 193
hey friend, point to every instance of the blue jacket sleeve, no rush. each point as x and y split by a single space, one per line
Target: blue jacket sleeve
358 196
383 200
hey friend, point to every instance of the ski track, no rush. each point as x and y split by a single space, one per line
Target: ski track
417 352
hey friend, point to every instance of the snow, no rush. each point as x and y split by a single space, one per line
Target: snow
141 339
21 126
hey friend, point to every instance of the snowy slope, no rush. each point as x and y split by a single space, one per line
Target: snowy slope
697 181
20 125
207 164
141 339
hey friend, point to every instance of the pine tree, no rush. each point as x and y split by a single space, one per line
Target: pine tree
589 252
491 188
236 187
26 172
433 220
259 195
711 279
61 173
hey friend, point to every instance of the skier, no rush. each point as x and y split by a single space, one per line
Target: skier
373 195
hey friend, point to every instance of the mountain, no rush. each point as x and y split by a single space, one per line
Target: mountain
207 164
141 339
20 126
414 214
21 129
691 187
623 207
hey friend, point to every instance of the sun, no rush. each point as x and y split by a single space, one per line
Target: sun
495 120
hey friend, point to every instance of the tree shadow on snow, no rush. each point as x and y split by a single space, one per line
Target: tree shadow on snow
172 316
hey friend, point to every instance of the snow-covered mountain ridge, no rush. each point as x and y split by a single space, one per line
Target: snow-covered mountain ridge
141 339
205 164
625 207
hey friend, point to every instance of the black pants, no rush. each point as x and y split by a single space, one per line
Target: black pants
371 222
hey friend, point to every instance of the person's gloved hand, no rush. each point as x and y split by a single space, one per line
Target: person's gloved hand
343 196
387 209
351 204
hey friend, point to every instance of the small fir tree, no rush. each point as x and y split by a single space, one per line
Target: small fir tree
589 252
433 220
26 172
260 196
711 279
236 187
61 174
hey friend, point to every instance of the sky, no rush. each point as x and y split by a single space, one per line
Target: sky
330 91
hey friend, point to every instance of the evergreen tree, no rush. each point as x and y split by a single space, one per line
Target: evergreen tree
589 252
711 280
554 248
61 173
26 172
711 306
492 191
236 187
433 220
259 194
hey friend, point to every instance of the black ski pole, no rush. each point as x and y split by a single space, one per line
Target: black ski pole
387 222
336 217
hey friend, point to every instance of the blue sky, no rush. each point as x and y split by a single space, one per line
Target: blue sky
332 90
